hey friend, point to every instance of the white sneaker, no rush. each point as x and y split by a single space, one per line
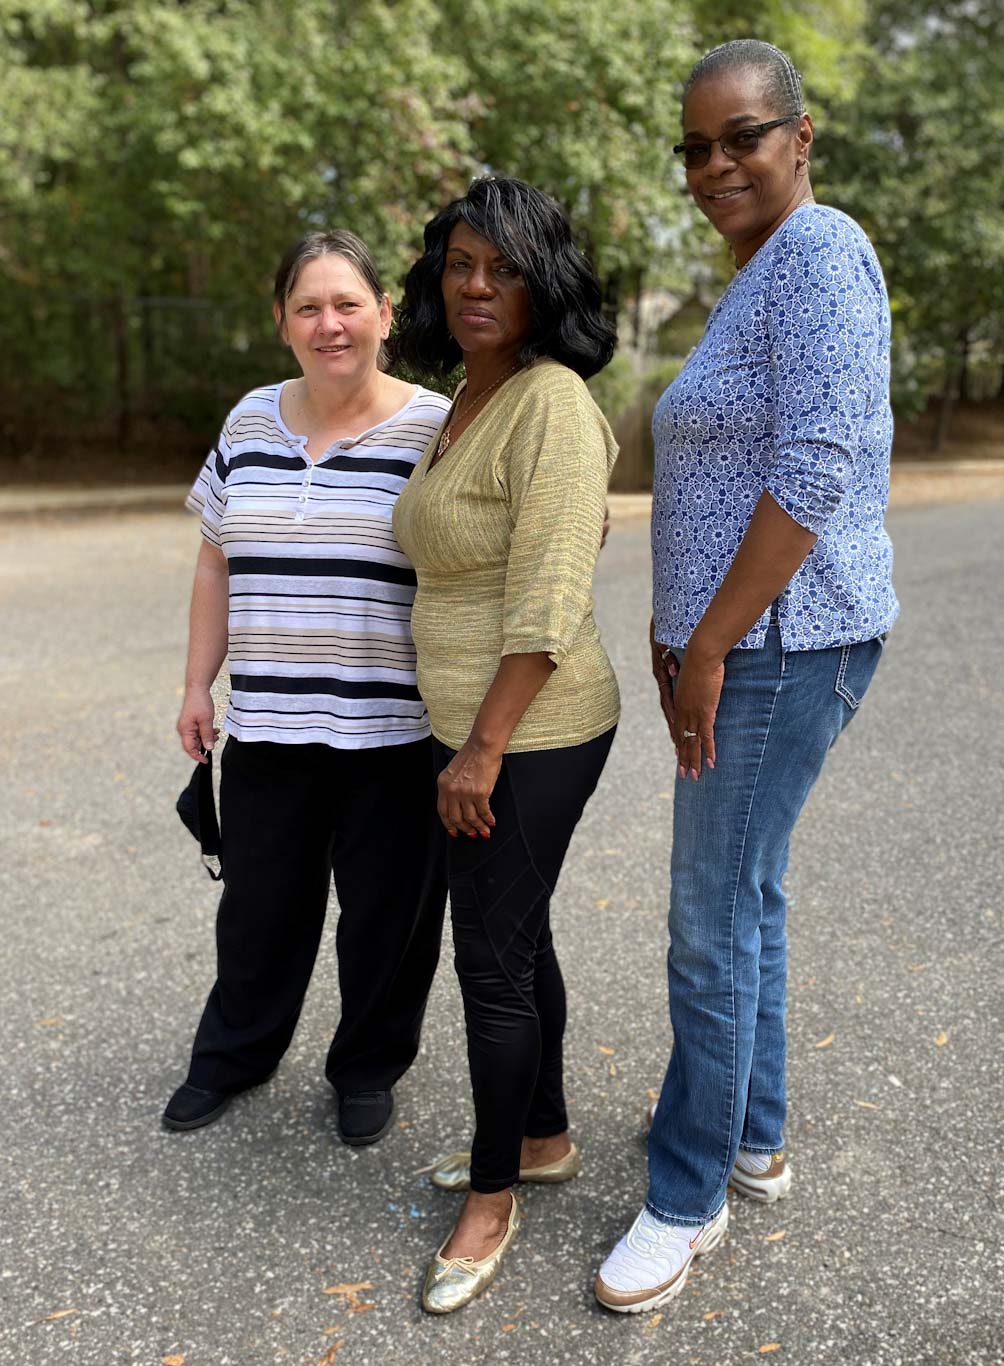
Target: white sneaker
761 1176
649 1266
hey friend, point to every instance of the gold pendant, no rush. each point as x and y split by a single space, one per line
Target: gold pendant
444 443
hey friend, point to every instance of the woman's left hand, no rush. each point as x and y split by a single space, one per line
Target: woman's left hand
465 785
695 702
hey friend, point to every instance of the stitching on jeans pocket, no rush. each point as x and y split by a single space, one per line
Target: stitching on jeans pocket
840 687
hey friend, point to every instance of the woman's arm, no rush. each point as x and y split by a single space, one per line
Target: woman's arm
467 782
556 485
823 387
769 555
207 649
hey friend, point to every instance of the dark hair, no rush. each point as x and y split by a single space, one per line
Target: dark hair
782 84
338 242
532 231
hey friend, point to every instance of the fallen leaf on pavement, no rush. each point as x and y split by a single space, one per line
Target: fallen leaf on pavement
769 1347
941 1040
607 1052
602 904
48 1023
178 1359
775 1237
508 1327
654 1322
712 1314
351 1293
825 1043
331 1353
652 1093
612 1070
867 1105
56 1314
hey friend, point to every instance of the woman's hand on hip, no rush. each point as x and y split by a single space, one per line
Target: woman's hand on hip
698 691
465 785
196 723
664 670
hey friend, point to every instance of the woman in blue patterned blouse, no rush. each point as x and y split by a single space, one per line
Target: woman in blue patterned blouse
772 596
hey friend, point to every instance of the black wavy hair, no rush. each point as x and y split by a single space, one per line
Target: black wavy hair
532 231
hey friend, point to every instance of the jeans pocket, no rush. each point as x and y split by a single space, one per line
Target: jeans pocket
855 670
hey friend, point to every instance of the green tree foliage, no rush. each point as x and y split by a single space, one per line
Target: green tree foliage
908 157
156 156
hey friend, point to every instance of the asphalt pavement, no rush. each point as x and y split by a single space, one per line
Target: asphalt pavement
262 1240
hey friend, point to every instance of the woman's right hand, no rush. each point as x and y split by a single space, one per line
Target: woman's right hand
195 723
664 670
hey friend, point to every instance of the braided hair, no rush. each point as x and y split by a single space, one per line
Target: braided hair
782 83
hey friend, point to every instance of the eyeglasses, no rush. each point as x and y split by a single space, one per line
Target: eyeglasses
742 143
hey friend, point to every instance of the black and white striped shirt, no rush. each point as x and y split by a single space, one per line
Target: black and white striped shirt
320 647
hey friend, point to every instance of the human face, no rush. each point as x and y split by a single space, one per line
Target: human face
332 321
487 302
748 200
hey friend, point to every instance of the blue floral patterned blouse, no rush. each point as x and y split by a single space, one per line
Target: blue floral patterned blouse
788 391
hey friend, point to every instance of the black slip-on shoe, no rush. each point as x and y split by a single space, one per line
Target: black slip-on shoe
190 1107
364 1116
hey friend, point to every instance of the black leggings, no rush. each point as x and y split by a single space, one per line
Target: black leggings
514 997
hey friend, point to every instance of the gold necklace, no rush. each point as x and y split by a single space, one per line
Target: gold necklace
444 440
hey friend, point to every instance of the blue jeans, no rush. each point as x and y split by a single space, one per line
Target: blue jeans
725 1085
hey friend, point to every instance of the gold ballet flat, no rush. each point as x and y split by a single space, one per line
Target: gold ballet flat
453 1173
452 1282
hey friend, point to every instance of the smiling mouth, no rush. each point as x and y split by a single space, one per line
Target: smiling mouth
331 350
723 196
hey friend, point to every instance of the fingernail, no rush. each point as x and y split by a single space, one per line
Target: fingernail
710 763
693 774
452 834
485 835
683 771
471 835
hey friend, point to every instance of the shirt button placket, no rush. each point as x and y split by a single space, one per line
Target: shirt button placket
304 497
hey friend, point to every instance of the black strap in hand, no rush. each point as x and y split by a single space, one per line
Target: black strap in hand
197 808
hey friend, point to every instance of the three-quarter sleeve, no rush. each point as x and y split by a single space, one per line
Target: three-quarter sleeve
556 484
206 496
828 342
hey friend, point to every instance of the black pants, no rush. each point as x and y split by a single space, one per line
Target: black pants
290 815
514 996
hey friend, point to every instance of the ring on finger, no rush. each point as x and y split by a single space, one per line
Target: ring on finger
690 735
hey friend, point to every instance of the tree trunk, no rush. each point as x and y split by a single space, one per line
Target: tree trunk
963 364
639 286
120 331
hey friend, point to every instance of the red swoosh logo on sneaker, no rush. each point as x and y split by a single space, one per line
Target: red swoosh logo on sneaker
693 1242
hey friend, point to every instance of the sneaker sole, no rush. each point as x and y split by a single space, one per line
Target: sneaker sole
671 1291
767 1192
364 1140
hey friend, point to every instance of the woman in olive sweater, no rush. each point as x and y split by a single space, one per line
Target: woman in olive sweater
502 519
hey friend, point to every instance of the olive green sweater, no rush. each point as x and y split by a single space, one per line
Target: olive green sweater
503 533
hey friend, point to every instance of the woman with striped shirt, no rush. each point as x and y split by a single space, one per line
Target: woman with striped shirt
327 766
